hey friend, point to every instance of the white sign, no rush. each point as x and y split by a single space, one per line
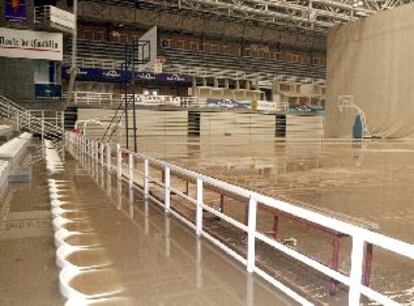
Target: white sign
62 18
31 44
266 106
157 100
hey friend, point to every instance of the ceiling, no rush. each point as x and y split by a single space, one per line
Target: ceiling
303 15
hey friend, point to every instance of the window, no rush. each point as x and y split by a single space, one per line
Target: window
316 61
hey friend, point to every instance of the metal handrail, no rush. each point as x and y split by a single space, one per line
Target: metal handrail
25 120
83 147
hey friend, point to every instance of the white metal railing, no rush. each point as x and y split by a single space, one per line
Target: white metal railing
109 98
91 62
26 120
83 148
282 107
55 117
93 97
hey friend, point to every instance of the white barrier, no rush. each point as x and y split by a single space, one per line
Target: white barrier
14 149
360 236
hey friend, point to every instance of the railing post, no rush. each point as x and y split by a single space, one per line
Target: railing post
251 235
84 147
96 151
146 175
167 192
101 147
131 169
91 149
118 161
199 208
355 275
28 115
43 130
108 157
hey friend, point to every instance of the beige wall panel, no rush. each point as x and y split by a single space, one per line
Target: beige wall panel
373 60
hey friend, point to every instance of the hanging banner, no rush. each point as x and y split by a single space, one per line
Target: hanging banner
105 75
31 44
15 10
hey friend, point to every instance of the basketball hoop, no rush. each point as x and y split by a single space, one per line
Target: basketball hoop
347 101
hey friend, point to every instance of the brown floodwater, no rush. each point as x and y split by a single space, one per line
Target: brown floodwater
83 240
154 258
369 183
88 258
96 282
78 226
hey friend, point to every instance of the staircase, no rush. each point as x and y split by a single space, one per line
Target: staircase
27 122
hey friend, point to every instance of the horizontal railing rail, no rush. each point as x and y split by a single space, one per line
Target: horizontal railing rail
82 148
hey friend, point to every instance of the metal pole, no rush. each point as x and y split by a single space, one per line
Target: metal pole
134 119
73 68
126 76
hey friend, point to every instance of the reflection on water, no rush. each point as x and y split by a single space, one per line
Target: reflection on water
156 259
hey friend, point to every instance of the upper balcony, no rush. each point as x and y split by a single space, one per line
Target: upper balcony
49 17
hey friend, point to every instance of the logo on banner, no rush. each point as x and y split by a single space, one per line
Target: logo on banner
146 76
78 72
175 78
15 10
111 74
225 103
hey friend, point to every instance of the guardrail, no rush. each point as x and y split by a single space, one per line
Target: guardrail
83 148
109 98
25 120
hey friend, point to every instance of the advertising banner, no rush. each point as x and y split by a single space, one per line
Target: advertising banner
225 104
31 44
15 10
97 74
